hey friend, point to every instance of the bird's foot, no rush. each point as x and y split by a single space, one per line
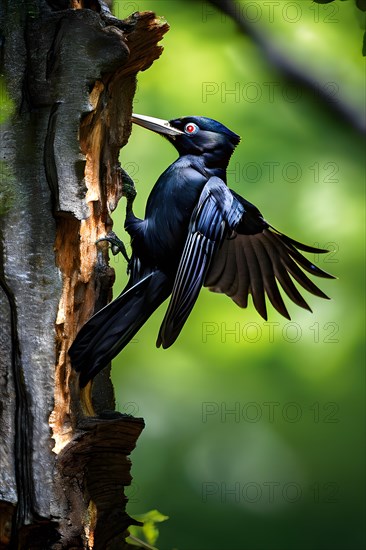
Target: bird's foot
117 245
128 189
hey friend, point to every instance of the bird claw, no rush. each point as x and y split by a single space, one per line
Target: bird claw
128 189
117 245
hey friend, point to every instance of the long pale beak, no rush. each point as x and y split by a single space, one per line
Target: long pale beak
156 125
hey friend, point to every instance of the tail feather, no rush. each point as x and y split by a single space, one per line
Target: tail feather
110 330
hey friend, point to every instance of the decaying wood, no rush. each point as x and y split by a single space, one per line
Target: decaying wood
71 74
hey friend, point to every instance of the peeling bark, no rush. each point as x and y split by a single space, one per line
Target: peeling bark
72 75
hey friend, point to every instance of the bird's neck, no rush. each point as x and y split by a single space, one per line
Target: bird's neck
217 158
207 166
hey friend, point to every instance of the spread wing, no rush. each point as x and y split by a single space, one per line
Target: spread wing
256 259
217 212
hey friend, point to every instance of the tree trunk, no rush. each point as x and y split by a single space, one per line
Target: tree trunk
70 70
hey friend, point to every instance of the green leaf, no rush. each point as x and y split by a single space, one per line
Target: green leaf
152 515
148 532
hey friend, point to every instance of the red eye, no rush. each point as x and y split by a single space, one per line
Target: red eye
191 128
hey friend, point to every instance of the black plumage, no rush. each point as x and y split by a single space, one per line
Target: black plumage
196 232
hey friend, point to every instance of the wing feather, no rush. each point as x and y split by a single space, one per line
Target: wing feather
290 249
241 297
262 260
281 273
269 278
231 272
256 279
218 268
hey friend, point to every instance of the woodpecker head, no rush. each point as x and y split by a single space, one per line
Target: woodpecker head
194 135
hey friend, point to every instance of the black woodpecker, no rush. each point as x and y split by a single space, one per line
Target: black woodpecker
196 232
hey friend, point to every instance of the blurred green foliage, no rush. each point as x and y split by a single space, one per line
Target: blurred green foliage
6 104
253 437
